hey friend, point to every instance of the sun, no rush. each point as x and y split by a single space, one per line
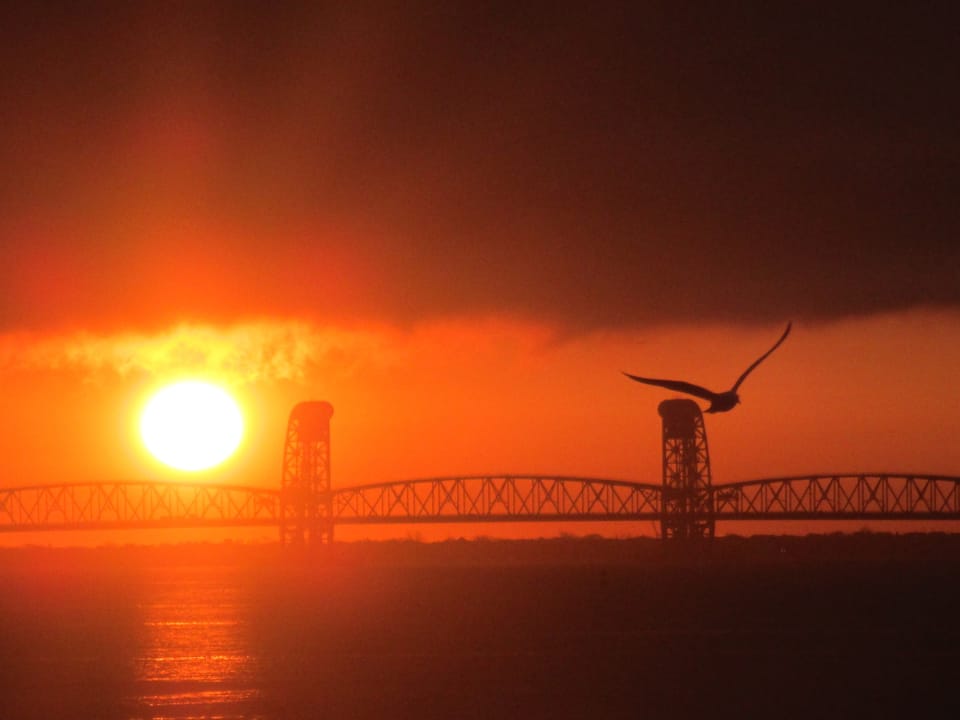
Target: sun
191 425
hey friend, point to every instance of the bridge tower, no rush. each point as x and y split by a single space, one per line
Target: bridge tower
306 501
687 509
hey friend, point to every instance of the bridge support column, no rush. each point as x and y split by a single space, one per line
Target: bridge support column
306 500
687 504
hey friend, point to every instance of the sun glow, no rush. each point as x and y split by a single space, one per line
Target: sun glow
191 425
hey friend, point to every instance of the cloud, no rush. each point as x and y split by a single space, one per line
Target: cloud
285 351
239 354
591 167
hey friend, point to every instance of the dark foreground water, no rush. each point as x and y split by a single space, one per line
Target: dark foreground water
823 627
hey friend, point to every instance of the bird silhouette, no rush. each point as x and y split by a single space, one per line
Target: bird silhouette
719 402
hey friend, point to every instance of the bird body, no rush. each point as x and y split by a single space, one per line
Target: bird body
719 401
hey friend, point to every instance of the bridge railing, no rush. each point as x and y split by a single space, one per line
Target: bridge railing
882 496
112 505
496 498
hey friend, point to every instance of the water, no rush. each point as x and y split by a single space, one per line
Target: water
562 630
194 657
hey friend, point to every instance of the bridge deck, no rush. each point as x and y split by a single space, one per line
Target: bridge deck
502 498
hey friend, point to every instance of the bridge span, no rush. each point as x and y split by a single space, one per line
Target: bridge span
306 507
494 498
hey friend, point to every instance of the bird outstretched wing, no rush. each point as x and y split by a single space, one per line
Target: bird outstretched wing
762 357
678 385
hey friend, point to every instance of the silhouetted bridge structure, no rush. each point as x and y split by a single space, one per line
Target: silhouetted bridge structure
307 508
132 505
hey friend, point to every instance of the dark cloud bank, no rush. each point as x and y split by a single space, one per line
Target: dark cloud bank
598 166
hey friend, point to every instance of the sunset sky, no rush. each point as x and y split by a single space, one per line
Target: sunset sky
459 222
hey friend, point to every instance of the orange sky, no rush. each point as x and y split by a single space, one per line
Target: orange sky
459 222
484 395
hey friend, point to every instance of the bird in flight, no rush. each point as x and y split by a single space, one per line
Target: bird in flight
719 402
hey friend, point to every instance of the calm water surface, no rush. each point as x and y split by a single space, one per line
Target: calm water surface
140 634
194 657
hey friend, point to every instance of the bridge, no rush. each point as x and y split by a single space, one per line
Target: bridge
502 498
306 507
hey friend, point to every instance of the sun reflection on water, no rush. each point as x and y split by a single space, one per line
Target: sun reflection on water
194 658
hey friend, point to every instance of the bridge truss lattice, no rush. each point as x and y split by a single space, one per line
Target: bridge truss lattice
307 507
500 498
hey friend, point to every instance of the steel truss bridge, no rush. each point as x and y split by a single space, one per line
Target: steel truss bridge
143 505
306 507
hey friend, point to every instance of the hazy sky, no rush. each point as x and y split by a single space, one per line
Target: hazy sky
591 165
459 221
